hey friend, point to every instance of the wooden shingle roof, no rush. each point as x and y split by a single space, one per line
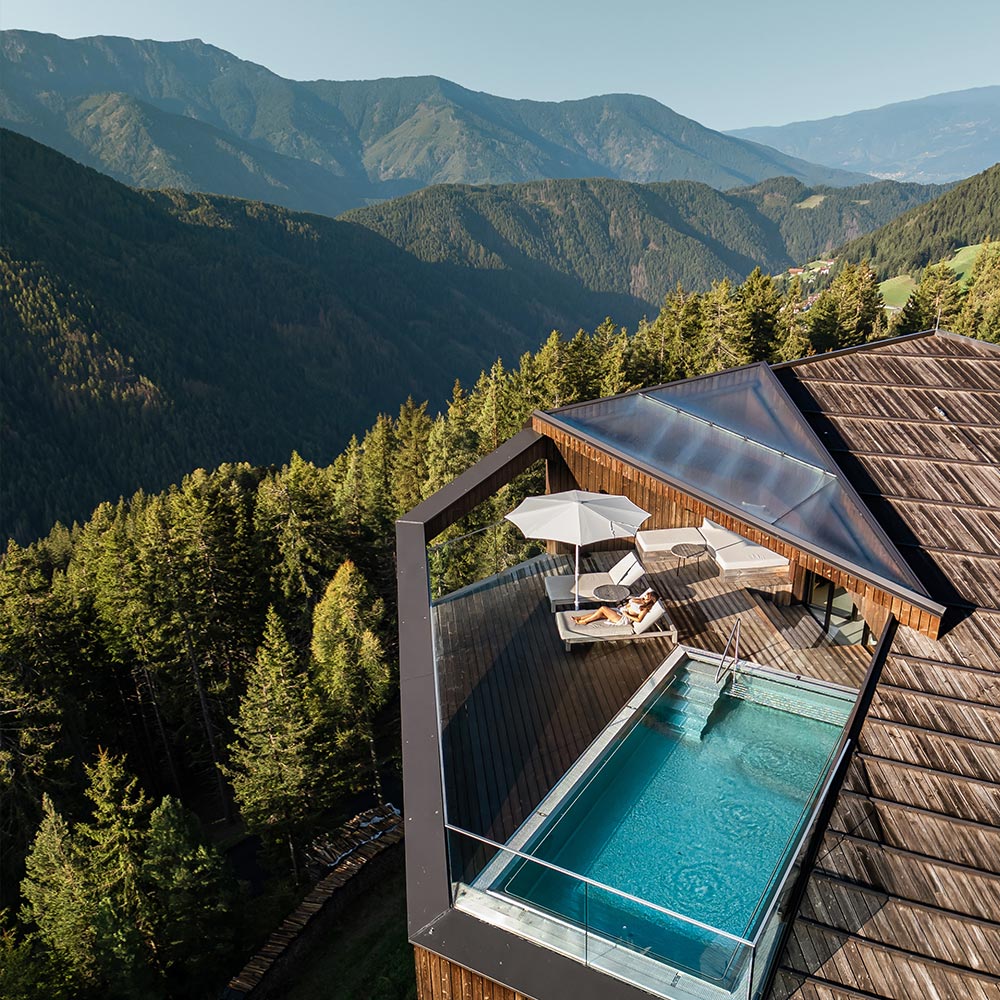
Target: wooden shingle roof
905 899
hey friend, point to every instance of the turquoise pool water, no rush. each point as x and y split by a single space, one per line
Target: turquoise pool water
699 827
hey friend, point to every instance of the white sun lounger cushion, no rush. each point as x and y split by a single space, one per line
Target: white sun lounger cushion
664 539
735 554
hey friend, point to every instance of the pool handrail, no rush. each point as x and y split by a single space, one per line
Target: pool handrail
734 639
598 885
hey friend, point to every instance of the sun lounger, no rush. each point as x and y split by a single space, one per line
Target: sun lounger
560 589
655 625
738 556
733 554
664 539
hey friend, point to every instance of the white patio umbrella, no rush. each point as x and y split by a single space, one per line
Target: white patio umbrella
577 517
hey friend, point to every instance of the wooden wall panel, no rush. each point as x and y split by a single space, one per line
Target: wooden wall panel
594 469
439 979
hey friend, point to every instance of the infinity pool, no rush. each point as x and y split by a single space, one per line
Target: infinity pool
697 823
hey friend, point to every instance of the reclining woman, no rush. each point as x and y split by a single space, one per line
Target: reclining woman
631 611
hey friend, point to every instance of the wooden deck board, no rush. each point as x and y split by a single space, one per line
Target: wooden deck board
518 710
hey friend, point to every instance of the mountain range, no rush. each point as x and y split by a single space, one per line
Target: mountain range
931 140
192 116
147 333
636 240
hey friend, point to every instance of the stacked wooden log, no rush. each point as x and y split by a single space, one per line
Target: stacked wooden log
333 859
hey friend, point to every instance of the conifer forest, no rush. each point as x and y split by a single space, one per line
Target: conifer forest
222 654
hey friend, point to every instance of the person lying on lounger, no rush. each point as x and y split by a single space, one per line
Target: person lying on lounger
631 611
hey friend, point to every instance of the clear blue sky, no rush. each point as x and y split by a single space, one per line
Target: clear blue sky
726 63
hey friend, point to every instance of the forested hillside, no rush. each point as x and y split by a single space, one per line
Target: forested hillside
815 221
147 333
220 329
967 214
639 239
192 116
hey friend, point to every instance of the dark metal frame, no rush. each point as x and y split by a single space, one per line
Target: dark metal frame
432 921
849 740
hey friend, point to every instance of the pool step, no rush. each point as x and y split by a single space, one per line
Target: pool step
690 700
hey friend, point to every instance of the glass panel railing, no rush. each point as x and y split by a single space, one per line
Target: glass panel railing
463 560
661 951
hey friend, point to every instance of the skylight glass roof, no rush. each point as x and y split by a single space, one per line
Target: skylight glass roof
736 438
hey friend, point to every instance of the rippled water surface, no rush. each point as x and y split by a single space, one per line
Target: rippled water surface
696 827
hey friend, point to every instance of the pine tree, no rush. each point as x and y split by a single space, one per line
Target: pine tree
846 313
724 332
276 755
980 315
664 350
191 899
500 403
29 970
793 324
409 464
935 303
295 517
114 842
350 665
377 451
761 304
59 895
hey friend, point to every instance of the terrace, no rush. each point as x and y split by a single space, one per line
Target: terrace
510 740
520 715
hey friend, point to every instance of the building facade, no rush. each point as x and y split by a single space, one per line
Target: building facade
876 473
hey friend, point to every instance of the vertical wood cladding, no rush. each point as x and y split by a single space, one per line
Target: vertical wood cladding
587 467
439 979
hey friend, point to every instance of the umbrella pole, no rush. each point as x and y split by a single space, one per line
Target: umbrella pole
577 587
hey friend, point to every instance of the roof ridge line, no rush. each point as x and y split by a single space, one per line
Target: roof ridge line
845 483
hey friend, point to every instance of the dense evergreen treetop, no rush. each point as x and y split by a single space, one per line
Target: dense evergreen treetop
967 214
192 116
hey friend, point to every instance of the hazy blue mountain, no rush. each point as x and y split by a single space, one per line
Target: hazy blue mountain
190 115
932 140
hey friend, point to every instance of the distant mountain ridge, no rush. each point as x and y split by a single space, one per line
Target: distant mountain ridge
932 140
192 116
638 239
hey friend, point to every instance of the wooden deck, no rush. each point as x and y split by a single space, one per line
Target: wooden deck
518 710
